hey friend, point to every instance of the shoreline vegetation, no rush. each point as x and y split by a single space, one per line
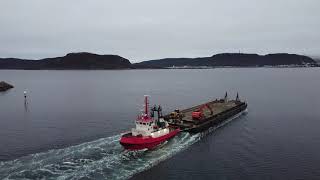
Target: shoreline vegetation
90 61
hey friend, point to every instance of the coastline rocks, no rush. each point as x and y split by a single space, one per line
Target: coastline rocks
5 86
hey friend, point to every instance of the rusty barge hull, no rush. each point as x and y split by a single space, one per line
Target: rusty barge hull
222 111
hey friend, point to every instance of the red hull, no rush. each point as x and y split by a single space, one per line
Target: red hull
139 142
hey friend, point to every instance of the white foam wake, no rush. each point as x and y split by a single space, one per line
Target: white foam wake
100 159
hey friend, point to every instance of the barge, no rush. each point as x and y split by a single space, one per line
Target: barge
201 117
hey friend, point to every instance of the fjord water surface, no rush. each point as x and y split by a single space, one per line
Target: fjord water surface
71 123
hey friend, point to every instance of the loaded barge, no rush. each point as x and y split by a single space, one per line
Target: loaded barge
202 117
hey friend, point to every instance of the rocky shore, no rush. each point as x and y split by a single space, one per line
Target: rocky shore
5 86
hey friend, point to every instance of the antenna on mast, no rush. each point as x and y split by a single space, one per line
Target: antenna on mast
226 97
237 98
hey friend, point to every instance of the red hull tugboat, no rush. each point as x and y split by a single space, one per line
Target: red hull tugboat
149 131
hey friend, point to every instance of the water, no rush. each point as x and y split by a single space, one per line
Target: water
71 124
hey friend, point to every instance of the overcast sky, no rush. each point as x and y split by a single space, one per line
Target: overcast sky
149 29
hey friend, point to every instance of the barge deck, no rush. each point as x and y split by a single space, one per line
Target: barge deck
217 112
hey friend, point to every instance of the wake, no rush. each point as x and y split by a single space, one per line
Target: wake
100 159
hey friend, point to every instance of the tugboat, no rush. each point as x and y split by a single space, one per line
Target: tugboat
150 131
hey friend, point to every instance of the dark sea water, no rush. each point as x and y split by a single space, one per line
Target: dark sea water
71 124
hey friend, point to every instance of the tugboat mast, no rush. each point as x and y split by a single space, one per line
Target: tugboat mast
146 105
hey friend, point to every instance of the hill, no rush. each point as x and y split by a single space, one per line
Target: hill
233 60
82 60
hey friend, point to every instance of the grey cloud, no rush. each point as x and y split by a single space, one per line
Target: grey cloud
147 29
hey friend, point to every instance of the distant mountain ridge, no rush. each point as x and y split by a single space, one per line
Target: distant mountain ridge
85 60
81 60
233 60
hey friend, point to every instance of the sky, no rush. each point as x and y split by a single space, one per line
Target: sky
152 29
